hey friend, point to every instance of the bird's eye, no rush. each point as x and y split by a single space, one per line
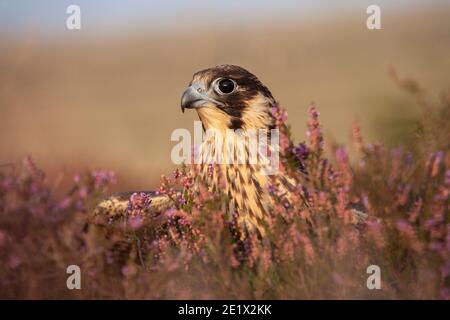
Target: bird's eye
225 86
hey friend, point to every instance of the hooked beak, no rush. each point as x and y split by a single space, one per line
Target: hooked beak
195 96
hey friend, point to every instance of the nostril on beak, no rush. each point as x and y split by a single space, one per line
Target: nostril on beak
192 95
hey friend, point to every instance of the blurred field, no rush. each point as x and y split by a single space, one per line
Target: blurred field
113 101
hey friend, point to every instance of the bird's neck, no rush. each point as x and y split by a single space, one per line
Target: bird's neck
258 148
243 180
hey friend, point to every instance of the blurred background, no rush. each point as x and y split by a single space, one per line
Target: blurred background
108 95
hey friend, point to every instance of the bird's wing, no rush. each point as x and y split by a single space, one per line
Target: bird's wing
116 205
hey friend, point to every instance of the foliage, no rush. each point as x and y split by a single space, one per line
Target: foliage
191 251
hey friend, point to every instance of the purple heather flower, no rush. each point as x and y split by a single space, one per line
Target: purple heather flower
280 114
135 222
341 154
30 166
77 178
176 174
79 205
436 246
402 225
301 151
170 213
83 192
271 188
8 183
408 159
128 271
109 257
103 178
181 200
65 203
439 156
445 294
446 269
447 177
138 203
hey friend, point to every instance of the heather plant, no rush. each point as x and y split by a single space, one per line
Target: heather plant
358 205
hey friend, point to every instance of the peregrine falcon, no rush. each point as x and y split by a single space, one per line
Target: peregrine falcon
228 98
234 102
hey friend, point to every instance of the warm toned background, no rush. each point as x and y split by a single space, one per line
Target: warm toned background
108 95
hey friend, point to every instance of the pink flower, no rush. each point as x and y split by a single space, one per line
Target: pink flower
138 203
135 222
103 178
65 203
409 234
83 192
129 270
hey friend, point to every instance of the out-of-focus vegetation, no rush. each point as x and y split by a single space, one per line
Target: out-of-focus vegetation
190 252
112 99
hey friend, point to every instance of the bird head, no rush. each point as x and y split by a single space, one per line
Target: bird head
229 97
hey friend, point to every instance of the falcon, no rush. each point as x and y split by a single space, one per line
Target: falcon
233 102
228 98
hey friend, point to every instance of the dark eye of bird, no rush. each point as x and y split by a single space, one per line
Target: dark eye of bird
226 86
